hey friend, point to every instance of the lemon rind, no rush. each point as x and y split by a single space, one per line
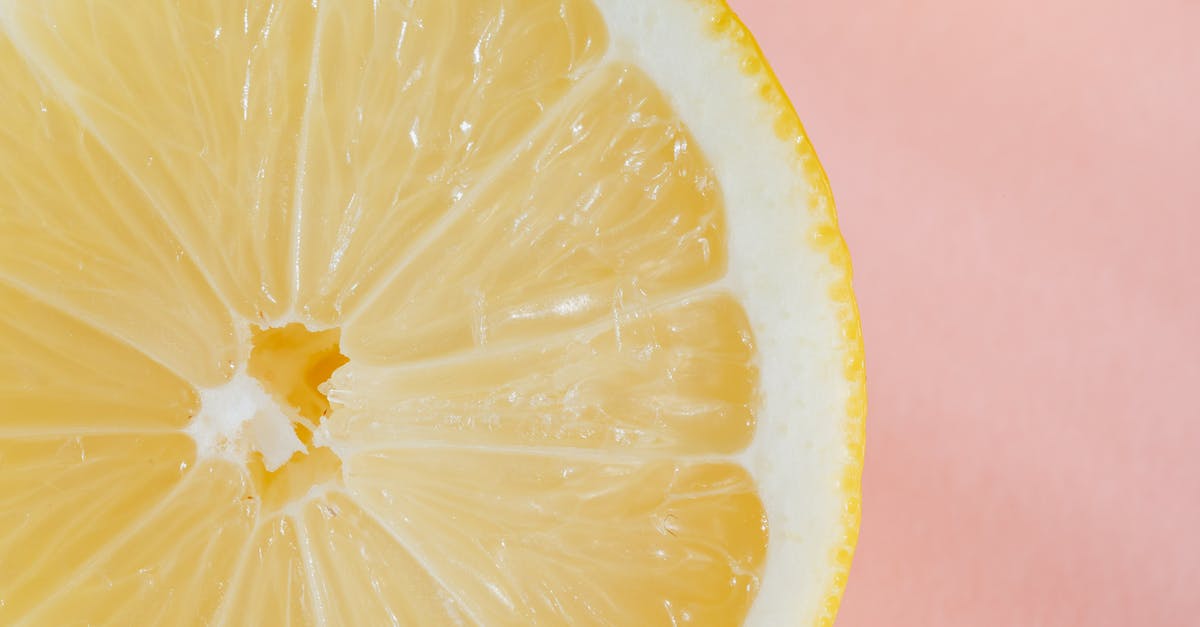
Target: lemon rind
827 238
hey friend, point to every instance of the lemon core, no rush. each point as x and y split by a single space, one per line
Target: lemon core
265 416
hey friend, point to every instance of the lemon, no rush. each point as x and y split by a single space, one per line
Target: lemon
416 312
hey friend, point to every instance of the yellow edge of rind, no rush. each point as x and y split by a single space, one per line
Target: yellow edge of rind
825 237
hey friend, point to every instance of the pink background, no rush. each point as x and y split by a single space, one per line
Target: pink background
1019 182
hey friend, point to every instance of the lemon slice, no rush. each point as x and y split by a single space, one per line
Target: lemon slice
416 312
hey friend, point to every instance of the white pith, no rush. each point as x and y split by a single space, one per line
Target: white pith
240 417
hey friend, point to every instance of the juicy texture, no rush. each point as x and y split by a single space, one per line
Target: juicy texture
519 241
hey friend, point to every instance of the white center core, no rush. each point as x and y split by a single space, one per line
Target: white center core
240 417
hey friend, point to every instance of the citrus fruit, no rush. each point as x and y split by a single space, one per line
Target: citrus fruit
416 312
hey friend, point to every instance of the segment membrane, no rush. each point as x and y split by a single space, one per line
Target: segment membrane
676 379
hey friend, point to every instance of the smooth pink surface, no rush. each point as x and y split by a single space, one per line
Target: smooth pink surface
1019 183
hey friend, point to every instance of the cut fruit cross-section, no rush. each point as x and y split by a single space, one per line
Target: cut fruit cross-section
416 312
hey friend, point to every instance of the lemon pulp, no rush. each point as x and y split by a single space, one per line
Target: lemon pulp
539 382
